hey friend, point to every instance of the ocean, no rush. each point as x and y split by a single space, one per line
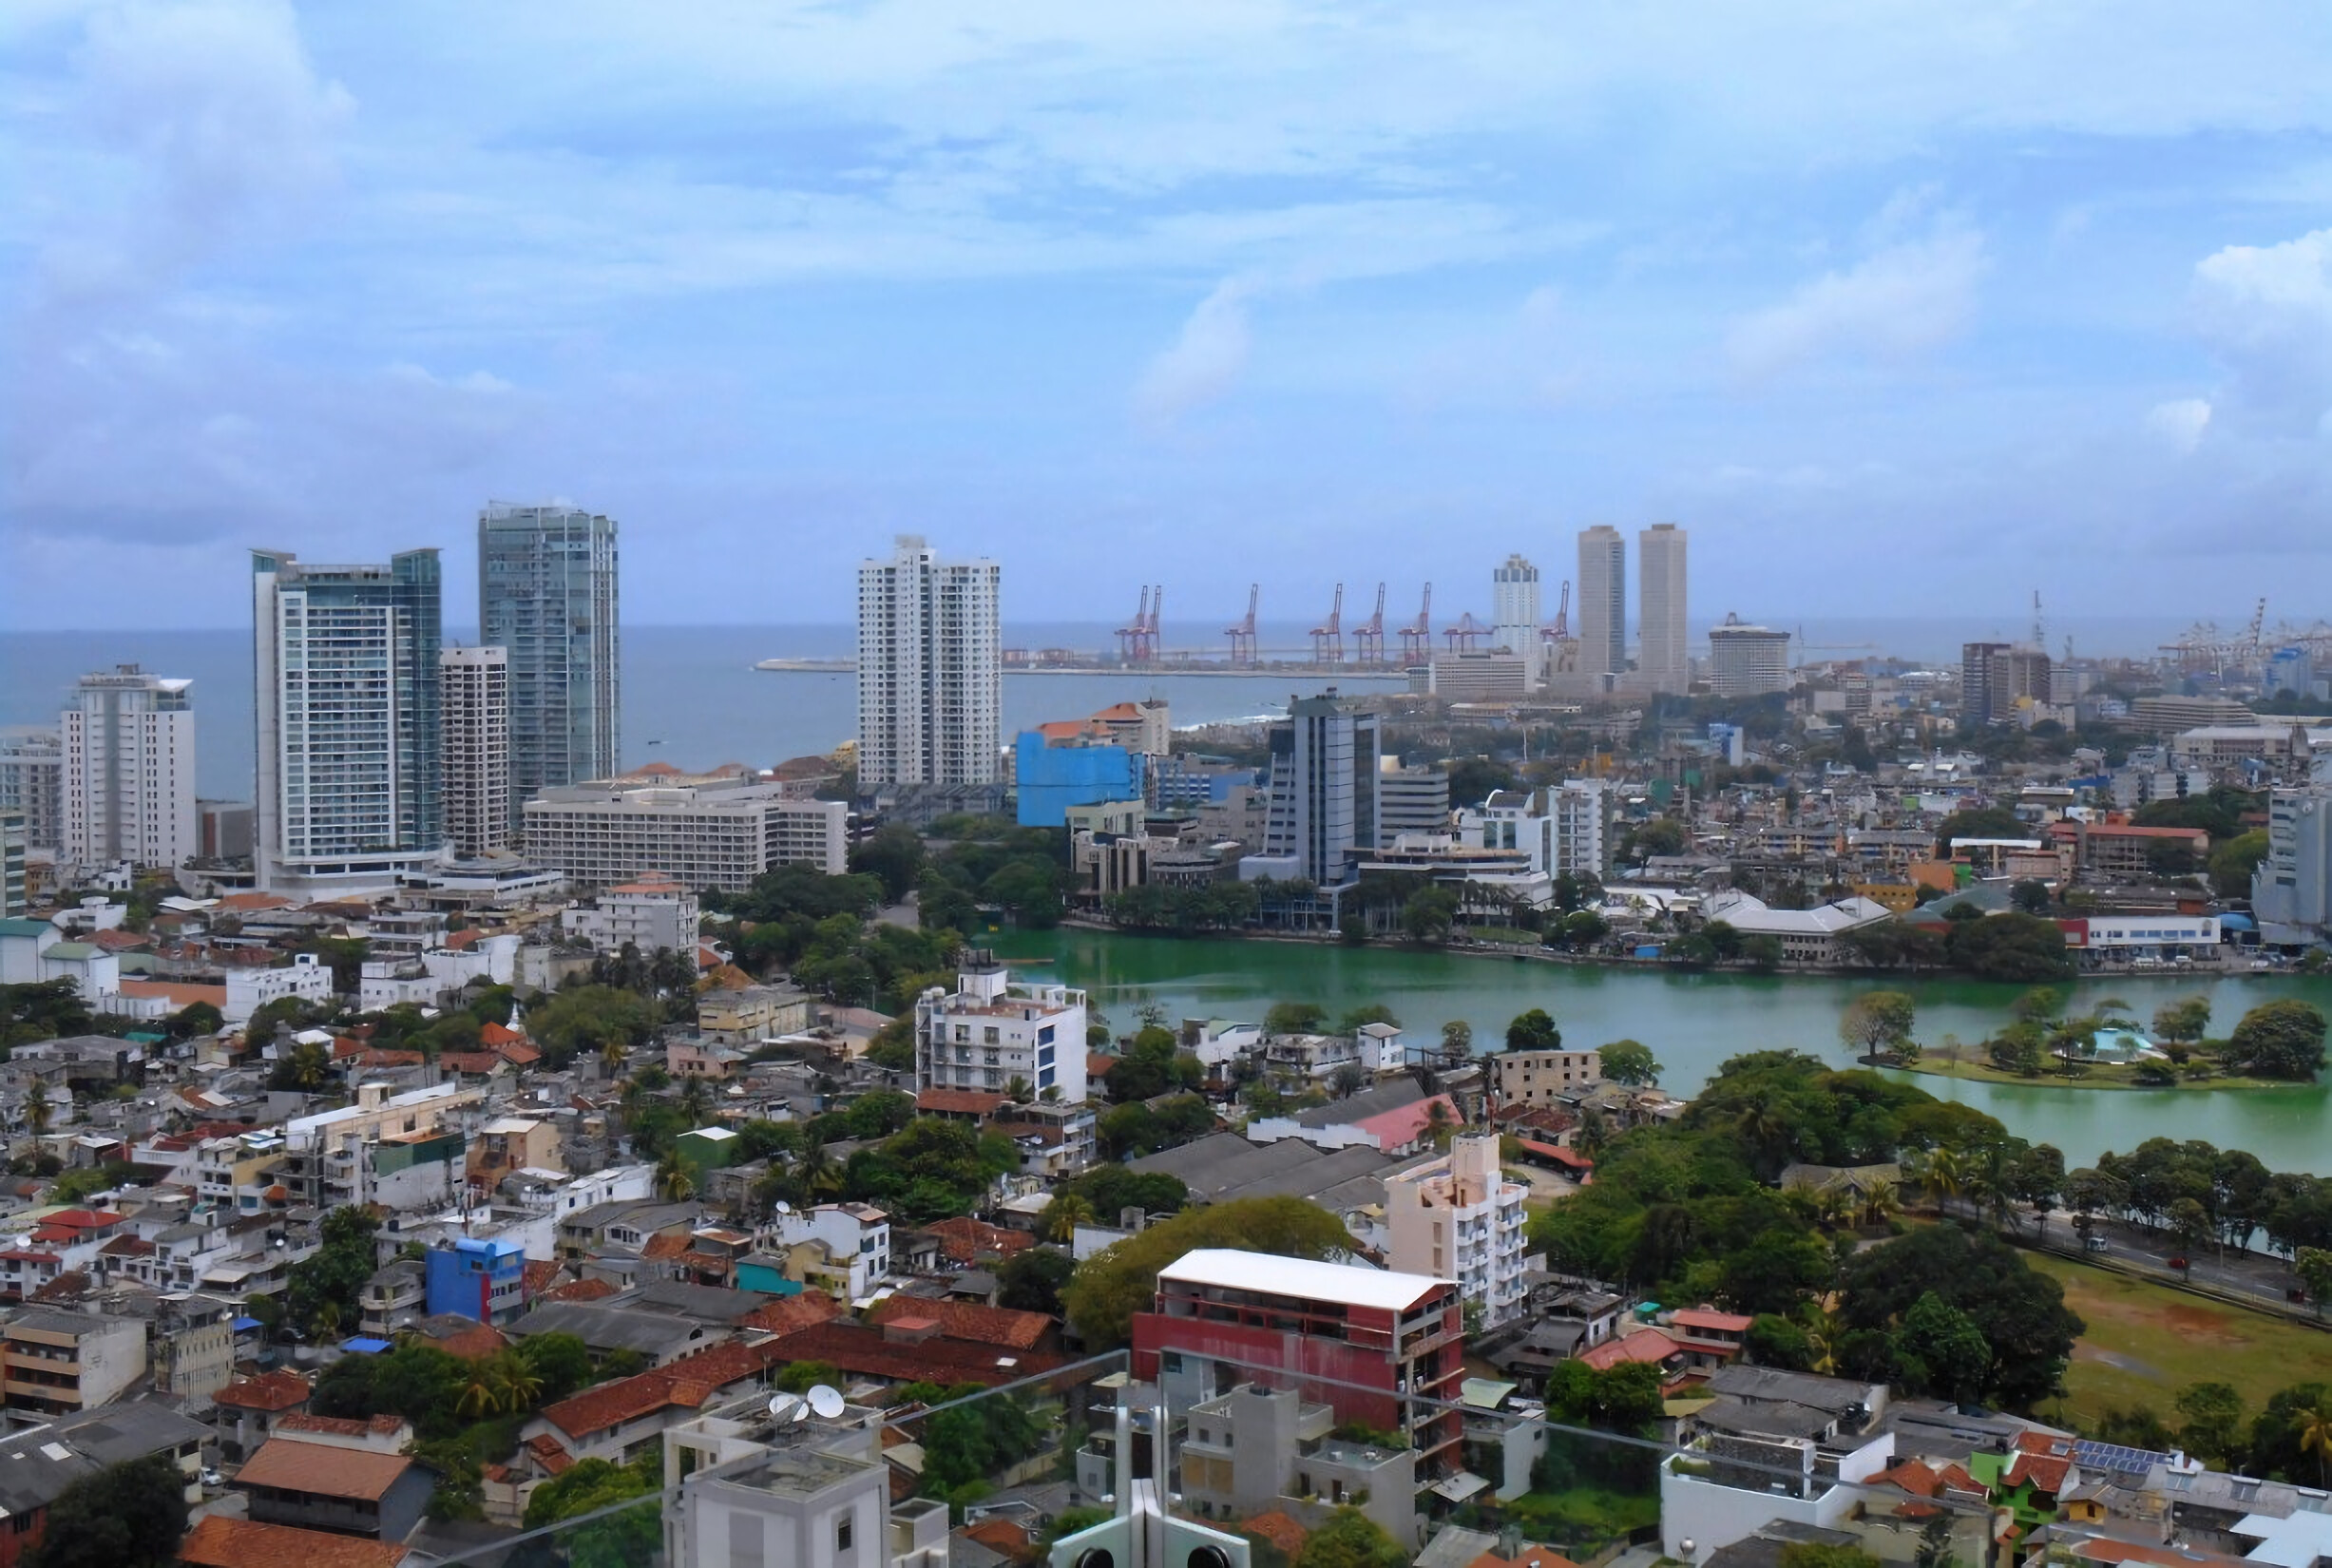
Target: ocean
692 697
691 694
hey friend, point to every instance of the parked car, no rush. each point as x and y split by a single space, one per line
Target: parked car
2179 1264
213 1479
2093 1244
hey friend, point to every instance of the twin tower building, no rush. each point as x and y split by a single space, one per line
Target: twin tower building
379 747
1594 653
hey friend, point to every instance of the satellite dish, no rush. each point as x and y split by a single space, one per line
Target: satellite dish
785 1407
783 1207
826 1400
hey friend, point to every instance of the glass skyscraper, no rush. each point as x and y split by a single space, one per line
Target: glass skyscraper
345 666
547 592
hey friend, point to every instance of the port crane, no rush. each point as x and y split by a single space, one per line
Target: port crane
1369 637
1417 640
1462 634
1243 635
1559 630
1328 637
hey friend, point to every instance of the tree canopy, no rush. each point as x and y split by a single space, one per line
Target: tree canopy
1114 1284
2278 1039
126 1516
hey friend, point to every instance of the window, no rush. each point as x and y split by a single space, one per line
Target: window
842 1534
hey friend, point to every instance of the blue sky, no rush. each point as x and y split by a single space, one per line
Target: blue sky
1899 308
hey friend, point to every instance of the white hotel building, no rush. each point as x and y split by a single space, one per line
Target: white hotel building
990 1032
127 787
931 671
716 835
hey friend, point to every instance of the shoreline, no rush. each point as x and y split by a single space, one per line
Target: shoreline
1977 1072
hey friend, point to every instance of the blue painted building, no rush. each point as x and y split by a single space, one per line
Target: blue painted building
1053 778
481 1279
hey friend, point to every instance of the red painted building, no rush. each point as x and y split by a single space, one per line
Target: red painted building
1363 1341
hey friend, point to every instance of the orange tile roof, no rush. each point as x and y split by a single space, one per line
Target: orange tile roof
858 1349
578 1289
1527 1556
688 1383
666 1243
278 1390
967 1241
300 1421
220 1541
179 993
1708 1317
1651 1345
548 1454
540 1274
321 1469
788 1313
1000 1536
1279 1529
496 1034
957 1102
970 1320
476 1343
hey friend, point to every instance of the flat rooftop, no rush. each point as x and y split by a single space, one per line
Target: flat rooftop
1227 1269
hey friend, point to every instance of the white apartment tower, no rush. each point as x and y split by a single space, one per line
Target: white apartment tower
931 680
1514 608
1603 601
1665 660
128 777
344 663
990 1032
1458 1218
1746 660
33 782
476 702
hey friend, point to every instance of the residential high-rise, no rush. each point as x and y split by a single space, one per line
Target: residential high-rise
2291 889
32 781
476 700
930 677
989 1033
1326 764
1976 702
1746 660
547 592
1514 608
345 668
1665 658
13 897
1603 601
129 770
1458 1217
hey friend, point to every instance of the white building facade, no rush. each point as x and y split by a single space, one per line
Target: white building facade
989 1032
651 913
1603 601
1746 660
1514 607
128 771
476 700
345 667
32 783
1326 760
705 836
1664 656
930 673
1458 1217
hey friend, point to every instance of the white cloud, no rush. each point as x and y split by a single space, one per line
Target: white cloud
2266 313
2180 423
1204 360
1898 302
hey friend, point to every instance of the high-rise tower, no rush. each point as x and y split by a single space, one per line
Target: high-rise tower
1603 601
476 698
345 667
547 592
128 784
1664 657
931 680
1514 608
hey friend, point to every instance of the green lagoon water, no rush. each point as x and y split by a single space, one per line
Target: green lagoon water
1693 1021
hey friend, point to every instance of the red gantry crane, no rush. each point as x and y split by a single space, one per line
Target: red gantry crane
1417 640
1369 637
1130 639
1328 637
1461 636
1243 635
1560 630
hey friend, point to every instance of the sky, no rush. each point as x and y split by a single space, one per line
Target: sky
1899 309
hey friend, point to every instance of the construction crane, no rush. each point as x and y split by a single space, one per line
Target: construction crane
1243 635
1328 637
1149 634
1131 639
1369 637
1559 630
1417 640
1462 634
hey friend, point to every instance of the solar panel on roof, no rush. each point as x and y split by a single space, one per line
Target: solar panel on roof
2115 1457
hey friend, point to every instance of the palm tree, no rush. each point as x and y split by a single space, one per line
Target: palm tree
482 1394
1439 1125
612 1058
39 1113
1065 1213
675 1181
515 1376
1881 1204
1945 1176
695 1100
816 1172
1017 1090
2315 1427
1824 1333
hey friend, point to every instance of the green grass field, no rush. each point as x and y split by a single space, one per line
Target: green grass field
2101 1075
2144 1342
